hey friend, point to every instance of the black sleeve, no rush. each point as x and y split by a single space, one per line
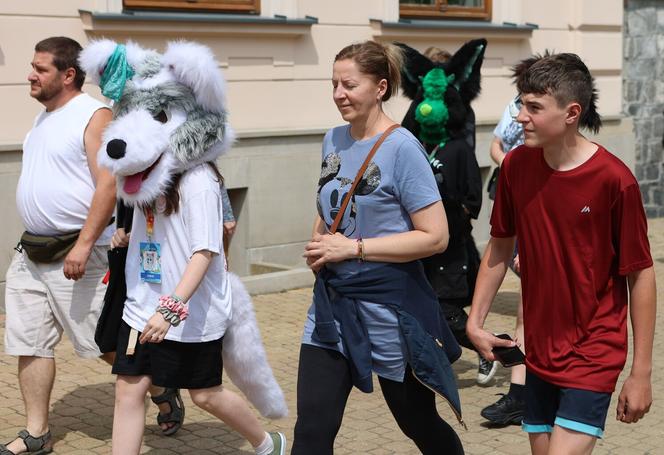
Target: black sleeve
472 199
462 182
469 129
125 216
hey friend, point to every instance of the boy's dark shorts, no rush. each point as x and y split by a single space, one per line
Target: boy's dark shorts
578 410
171 363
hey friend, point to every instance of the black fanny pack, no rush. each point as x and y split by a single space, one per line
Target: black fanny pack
47 248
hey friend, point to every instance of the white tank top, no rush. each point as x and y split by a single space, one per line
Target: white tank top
55 188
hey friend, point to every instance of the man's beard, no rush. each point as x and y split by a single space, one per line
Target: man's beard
47 93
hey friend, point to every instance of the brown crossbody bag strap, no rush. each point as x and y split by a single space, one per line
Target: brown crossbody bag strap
358 177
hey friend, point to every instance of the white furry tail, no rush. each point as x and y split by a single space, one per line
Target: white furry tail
245 361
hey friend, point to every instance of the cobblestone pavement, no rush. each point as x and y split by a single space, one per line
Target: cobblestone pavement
82 401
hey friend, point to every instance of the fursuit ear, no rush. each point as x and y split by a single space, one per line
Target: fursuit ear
193 65
94 57
415 66
465 65
137 56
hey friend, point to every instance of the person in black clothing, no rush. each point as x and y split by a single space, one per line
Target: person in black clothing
449 139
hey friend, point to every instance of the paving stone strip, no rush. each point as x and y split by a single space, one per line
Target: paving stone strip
82 400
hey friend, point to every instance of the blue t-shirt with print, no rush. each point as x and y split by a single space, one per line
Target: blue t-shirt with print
398 182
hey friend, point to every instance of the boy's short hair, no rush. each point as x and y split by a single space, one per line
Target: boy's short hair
565 77
523 65
65 55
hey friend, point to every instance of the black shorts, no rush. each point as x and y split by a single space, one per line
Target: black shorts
578 410
171 363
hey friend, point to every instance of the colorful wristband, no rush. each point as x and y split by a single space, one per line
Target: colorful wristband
173 309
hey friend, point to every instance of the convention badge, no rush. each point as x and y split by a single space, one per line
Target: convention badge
150 262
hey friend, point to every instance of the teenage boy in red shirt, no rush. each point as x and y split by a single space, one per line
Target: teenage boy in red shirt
583 244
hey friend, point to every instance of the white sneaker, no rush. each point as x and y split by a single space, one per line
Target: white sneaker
486 370
279 441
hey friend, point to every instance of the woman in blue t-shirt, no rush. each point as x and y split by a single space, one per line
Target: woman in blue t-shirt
394 218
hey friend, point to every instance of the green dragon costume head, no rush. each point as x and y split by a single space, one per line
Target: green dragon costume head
441 92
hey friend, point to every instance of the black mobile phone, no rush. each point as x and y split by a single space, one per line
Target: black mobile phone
508 357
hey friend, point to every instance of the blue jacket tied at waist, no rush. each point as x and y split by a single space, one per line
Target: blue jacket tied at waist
430 347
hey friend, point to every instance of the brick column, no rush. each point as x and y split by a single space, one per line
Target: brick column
643 95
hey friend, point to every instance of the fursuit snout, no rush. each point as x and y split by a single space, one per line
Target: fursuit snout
116 148
134 151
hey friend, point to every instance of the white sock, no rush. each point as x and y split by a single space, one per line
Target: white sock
265 447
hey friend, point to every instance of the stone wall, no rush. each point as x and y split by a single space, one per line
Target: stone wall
643 94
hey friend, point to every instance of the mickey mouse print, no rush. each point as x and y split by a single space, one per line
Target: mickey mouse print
337 189
392 187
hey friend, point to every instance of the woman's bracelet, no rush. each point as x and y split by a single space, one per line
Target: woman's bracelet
360 250
173 309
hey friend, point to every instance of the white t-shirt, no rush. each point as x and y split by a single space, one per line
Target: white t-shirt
508 130
55 188
196 226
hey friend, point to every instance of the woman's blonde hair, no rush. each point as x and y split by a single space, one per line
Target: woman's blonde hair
382 61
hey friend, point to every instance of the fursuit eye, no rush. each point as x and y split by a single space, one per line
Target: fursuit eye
161 117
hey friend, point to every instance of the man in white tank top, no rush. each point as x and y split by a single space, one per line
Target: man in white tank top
60 190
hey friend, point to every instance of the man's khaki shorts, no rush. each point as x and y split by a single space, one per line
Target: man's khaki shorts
40 303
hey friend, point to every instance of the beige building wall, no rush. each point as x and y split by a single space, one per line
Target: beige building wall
280 91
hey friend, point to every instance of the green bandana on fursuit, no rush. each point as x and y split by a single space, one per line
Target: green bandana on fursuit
116 74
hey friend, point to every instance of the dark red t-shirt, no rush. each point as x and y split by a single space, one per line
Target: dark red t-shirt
579 232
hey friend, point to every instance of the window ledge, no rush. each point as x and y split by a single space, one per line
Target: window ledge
410 28
150 23
11 146
283 132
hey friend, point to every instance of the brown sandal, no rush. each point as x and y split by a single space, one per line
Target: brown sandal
35 445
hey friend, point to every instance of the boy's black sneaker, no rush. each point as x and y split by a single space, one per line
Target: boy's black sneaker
506 411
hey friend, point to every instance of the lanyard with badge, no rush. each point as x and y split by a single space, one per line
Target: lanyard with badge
150 253
149 266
